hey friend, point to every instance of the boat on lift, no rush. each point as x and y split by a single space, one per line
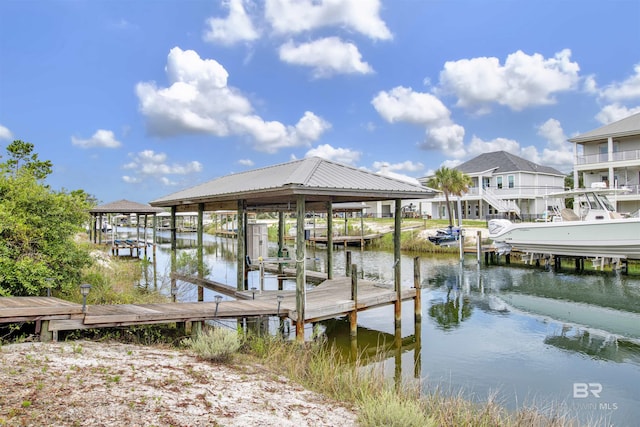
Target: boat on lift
592 228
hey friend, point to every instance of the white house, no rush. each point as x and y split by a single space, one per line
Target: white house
610 155
503 184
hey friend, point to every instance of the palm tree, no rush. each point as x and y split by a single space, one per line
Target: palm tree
450 181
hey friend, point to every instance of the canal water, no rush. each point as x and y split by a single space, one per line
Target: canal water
523 336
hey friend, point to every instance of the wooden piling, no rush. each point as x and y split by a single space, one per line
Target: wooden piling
300 267
174 256
347 263
397 279
353 315
417 308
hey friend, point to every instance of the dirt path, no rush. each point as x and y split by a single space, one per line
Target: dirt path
112 384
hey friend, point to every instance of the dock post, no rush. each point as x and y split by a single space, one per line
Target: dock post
353 315
418 286
397 279
329 240
417 318
300 269
347 263
174 256
45 334
479 246
241 250
281 226
200 250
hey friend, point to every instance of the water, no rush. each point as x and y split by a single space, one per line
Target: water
564 342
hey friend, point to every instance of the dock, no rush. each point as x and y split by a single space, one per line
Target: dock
330 299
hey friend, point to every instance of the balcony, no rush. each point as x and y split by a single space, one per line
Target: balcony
618 156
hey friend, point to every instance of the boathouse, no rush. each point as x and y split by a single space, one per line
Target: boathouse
297 187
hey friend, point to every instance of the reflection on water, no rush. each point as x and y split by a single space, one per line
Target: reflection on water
524 333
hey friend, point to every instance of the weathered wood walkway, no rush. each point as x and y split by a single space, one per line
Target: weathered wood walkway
330 299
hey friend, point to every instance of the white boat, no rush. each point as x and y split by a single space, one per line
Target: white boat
592 228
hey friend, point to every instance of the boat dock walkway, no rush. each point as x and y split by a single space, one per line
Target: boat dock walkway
330 299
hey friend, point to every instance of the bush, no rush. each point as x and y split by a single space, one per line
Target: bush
393 409
216 344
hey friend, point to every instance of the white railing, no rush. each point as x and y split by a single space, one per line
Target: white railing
501 205
618 156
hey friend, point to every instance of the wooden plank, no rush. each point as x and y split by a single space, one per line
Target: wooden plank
36 306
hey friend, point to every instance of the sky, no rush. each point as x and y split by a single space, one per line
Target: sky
138 99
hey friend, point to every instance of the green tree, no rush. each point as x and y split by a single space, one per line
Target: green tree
37 228
450 182
23 159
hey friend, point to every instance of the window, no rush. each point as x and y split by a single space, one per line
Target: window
511 180
499 182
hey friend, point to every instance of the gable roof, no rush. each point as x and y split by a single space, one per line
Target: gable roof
126 207
503 162
626 127
319 180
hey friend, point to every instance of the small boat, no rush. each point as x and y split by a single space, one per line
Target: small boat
592 228
445 236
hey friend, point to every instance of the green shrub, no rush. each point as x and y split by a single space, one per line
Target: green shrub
391 409
216 344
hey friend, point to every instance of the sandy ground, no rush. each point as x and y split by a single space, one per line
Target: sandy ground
87 383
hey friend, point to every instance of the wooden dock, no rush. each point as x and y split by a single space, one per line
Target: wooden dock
330 299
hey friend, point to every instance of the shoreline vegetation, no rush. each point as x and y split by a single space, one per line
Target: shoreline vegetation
227 379
362 389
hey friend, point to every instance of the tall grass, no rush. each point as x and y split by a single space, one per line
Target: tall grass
117 282
379 402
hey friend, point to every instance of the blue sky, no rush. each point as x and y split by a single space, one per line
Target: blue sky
138 99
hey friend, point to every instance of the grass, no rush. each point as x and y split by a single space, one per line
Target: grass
378 402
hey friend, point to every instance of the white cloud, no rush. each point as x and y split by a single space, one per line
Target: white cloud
628 89
478 146
523 81
589 85
614 112
551 130
447 163
448 139
199 100
407 166
130 179
149 164
246 162
101 138
385 170
296 16
272 136
236 27
327 56
341 155
5 133
558 153
402 104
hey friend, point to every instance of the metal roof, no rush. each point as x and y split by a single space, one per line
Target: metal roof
503 162
277 187
626 127
126 207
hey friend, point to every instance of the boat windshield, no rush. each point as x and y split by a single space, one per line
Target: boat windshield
607 204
